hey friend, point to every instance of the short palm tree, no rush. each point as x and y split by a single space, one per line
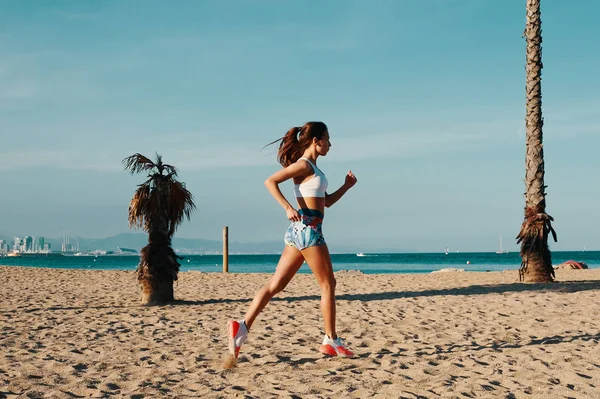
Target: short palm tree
536 260
158 206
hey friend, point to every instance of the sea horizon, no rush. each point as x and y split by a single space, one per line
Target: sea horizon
368 263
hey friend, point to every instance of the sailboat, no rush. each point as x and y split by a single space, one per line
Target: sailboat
447 251
501 251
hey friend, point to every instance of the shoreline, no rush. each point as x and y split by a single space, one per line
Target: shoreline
442 270
369 264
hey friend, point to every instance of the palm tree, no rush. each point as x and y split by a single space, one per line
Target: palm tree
159 205
536 261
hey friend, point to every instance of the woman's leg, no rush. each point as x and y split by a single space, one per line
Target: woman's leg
319 261
289 263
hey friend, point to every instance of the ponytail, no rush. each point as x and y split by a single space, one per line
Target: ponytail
296 140
289 150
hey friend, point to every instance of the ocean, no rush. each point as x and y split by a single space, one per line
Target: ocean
370 263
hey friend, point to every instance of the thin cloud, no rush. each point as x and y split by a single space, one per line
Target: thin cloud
78 159
14 85
18 90
190 151
196 156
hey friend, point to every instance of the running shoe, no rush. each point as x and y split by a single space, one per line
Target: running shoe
334 347
237 333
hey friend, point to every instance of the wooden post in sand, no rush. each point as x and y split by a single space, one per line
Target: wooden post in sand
225 249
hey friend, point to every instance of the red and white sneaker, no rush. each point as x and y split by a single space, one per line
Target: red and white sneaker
334 347
237 333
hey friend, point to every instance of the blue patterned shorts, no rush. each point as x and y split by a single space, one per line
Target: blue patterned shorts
306 233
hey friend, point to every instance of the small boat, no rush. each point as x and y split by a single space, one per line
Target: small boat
501 251
360 254
15 253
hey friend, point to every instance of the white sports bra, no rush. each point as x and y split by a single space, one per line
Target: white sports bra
315 187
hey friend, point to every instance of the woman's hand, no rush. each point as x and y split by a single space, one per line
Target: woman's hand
350 179
293 215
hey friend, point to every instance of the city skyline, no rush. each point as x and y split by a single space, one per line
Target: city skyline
36 244
25 244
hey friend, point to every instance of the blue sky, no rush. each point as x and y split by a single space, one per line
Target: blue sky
424 101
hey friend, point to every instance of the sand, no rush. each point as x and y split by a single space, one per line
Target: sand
80 333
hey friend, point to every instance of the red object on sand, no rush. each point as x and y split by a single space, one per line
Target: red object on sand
571 264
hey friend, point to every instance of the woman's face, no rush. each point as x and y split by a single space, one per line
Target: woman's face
324 144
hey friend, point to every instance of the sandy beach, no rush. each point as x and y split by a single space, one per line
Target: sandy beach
79 333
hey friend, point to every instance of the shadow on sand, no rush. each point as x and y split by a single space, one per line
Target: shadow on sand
563 287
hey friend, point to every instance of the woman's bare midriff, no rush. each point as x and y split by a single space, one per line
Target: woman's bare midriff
316 203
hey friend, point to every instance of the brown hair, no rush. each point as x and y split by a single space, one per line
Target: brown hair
296 140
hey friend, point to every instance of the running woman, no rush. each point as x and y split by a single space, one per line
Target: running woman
298 153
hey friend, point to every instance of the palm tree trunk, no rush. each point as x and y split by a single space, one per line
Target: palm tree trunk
157 270
536 264
158 266
156 292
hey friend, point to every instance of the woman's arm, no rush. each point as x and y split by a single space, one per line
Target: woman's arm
350 181
298 169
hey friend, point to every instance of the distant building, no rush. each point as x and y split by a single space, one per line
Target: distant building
17 244
66 245
27 244
38 244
